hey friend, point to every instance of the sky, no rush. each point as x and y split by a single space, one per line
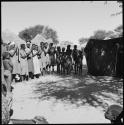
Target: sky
71 19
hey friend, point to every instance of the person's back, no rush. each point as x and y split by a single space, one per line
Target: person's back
8 65
8 68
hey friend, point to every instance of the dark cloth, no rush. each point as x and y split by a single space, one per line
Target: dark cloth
51 53
68 52
75 55
102 57
58 57
63 57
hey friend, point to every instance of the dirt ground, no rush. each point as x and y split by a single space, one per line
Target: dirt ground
67 99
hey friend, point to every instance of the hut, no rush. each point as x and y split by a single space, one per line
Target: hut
37 39
105 57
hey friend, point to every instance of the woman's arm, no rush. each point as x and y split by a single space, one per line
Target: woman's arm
34 54
12 52
11 64
23 56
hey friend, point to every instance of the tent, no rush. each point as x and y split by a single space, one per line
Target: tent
105 57
37 39
8 36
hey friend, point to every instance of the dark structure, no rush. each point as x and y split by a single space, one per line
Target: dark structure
105 57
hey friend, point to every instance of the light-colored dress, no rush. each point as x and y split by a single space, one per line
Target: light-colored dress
14 60
30 61
24 63
42 64
47 59
36 63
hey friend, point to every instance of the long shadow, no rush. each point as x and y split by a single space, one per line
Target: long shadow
80 91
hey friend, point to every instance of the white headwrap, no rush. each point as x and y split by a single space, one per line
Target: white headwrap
12 43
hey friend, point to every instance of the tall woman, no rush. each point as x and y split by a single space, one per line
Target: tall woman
14 58
36 61
30 60
24 63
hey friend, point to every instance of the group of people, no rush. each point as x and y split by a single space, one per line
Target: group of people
19 63
31 60
69 59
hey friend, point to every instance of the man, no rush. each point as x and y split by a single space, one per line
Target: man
58 59
52 52
75 58
30 59
79 61
63 60
68 65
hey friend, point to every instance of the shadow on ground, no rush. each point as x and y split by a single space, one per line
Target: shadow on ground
87 90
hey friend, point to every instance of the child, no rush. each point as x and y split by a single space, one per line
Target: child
8 68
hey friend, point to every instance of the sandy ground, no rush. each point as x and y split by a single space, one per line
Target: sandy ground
67 99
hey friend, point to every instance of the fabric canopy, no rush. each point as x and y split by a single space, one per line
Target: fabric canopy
38 38
8 37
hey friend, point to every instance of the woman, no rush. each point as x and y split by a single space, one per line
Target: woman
42 61
47 59
8 68
24 63
30 60
36 61
14 58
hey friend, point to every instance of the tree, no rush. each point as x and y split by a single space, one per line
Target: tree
119 30
50 33
119 3
120 12
31 32
83 40
99 34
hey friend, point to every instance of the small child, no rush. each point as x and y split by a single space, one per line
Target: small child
8 68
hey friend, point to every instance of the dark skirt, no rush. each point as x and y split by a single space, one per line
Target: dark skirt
52 60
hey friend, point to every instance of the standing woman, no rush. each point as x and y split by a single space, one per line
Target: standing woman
36 61
46 55
39 56
42 62
14 58
24 63
30 60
